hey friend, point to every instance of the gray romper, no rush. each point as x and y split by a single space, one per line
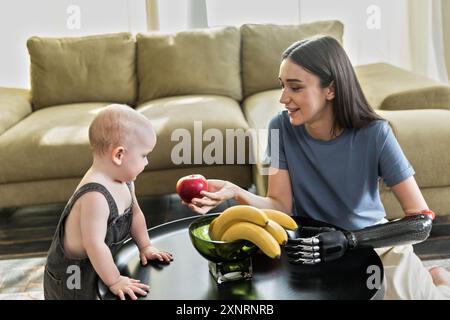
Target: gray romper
60 268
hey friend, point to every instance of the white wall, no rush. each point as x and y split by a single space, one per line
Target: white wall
374 30
21 19
238 12
389 43
174 15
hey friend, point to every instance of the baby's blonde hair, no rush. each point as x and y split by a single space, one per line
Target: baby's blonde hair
116 125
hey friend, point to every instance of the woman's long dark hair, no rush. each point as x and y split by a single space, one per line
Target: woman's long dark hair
324 57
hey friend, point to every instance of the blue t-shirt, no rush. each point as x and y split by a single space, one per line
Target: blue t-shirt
337 181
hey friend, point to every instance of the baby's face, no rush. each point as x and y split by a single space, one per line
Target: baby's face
136 153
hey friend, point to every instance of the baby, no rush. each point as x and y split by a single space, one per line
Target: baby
103 212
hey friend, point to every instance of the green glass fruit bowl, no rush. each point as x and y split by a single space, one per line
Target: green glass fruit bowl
217 251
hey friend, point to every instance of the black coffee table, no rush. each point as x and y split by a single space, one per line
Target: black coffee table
188 277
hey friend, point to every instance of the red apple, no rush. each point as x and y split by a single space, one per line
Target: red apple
189 187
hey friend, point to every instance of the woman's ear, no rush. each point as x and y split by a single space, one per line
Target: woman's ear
117 155
331 91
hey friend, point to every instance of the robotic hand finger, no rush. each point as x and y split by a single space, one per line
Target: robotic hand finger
330 244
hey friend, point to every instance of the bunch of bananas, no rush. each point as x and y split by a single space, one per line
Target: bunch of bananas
263 227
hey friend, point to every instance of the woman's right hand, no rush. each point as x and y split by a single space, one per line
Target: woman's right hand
129 286
218 192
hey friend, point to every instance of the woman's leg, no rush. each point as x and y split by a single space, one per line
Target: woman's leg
407 278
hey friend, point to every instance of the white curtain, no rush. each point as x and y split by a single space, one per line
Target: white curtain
446 33
197 14
152 15
176 15
429 38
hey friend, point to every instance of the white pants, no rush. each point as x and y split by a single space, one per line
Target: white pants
405 276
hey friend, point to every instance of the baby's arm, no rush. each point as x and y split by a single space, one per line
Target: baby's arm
140 235
93 225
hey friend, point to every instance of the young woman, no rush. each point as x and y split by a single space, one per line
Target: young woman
332 151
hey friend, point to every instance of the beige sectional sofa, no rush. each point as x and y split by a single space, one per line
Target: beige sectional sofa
220 78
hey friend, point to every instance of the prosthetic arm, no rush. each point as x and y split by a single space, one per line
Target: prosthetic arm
329 244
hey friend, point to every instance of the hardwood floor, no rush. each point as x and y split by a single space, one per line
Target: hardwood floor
27 232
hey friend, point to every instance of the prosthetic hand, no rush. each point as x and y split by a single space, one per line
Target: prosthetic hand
330 244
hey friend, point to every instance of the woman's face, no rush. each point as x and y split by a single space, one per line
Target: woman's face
302 94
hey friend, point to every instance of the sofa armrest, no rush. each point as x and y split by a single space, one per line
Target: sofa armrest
14 106
434 97
388 87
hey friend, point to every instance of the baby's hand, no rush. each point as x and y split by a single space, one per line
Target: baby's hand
151 253
128 286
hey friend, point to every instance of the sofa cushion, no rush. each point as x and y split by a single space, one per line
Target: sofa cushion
53 143
14 106
391 88
179 113
203 61
262 46
259 109
424 136
50 143
84 69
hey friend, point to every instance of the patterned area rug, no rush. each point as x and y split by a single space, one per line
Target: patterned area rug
21 279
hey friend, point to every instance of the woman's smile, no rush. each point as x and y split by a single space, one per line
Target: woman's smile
292 111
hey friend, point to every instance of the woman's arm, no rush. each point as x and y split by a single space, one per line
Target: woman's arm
408 194
409 230
279 194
